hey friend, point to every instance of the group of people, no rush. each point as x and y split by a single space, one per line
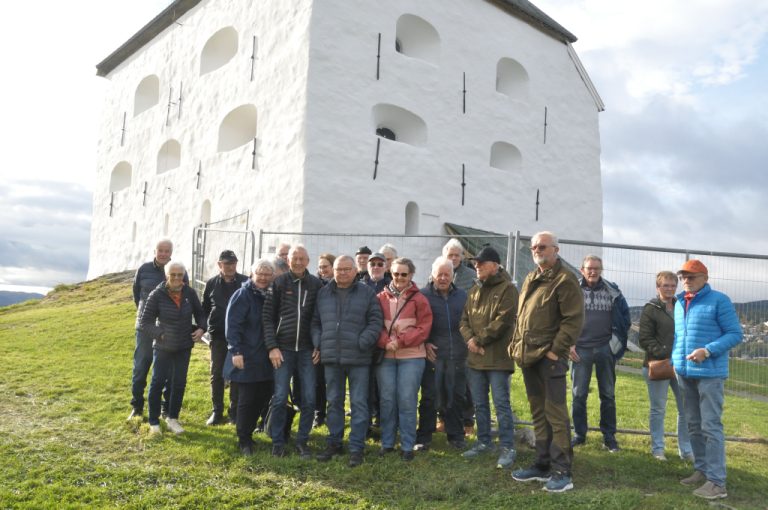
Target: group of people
412 358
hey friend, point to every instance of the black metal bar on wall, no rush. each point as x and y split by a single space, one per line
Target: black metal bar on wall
253 154
144 195
378 57
463 182
199 171
376 160
111 203
122 132
545 124
253 57
463 92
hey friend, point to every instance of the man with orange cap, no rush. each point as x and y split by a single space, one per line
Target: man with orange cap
706 329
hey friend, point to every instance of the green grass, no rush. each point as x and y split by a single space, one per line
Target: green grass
64 441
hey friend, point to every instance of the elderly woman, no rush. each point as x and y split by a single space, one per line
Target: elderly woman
168 319
407 322
247 361
657 333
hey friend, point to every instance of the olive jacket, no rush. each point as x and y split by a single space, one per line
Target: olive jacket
657 331
549 317
489 318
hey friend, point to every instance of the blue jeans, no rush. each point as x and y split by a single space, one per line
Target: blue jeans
703 401
581 374
657 394
335 378
170 370
497 381
399 381
301 361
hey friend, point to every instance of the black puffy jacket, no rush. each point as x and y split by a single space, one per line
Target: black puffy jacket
288 311
169 325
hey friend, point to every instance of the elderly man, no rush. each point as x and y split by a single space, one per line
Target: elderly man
549 320
375 277
218 290
463 276
444 381
361 259
148 277
282 252
390 253
706 329
601 344
345 328
487 324
288 311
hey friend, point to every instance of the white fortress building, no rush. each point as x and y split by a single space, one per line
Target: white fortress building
344 116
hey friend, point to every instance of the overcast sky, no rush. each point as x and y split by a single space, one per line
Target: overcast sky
684 135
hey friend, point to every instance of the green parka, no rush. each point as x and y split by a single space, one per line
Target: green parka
550 315
657 331
489 317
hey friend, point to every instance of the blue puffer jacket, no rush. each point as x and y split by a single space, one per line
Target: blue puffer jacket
446 317
169 325
347 339
245 335
710 322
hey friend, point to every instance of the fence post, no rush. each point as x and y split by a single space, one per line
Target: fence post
261 240
514 257
510 253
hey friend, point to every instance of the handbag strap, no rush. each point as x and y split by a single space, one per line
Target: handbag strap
397 314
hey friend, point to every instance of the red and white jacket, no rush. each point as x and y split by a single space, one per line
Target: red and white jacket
411 329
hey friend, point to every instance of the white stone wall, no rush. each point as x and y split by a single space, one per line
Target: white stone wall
474 35
273 192
314 92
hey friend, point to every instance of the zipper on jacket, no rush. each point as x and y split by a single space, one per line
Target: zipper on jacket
298 316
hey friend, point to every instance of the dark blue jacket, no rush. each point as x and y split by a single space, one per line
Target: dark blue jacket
245 336
620 318
346 338
710 322
446 317
162 318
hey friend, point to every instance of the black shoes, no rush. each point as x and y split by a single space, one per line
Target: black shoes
330 452
407 456
355 459
216 418
578 441
385 451
278 451
136 413
246 450
304 451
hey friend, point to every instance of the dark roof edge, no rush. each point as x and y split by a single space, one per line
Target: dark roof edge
536 16
166 18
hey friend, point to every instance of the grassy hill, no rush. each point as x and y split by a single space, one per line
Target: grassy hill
64 441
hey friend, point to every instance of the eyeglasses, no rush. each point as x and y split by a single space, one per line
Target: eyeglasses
376 264
684 277
263 275
401 275
176 275
343 269
540 247
670 286
591 269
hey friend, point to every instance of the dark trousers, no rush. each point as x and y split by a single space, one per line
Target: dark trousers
170 368
142 361
321 401
450 386
252 399
545 385
468 410
427 407
218 356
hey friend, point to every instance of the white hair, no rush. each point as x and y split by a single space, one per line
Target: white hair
548 234
388 248
164 240
262 262
297 247
174 263
453 243
440 262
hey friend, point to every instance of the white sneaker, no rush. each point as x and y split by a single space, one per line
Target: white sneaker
155 430
174 426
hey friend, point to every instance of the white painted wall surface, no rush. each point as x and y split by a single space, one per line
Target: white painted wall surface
314 90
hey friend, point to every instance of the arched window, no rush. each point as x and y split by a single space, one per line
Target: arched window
121 176
395 123
205 212
512 79
220 48
505 156
147 94
169 156
417 38
237 128
411 219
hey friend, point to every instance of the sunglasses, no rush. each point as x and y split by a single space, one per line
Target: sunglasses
376 264
401 275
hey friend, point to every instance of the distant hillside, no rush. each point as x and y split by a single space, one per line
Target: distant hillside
8 297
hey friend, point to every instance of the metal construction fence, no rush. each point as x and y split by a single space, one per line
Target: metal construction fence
742 277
